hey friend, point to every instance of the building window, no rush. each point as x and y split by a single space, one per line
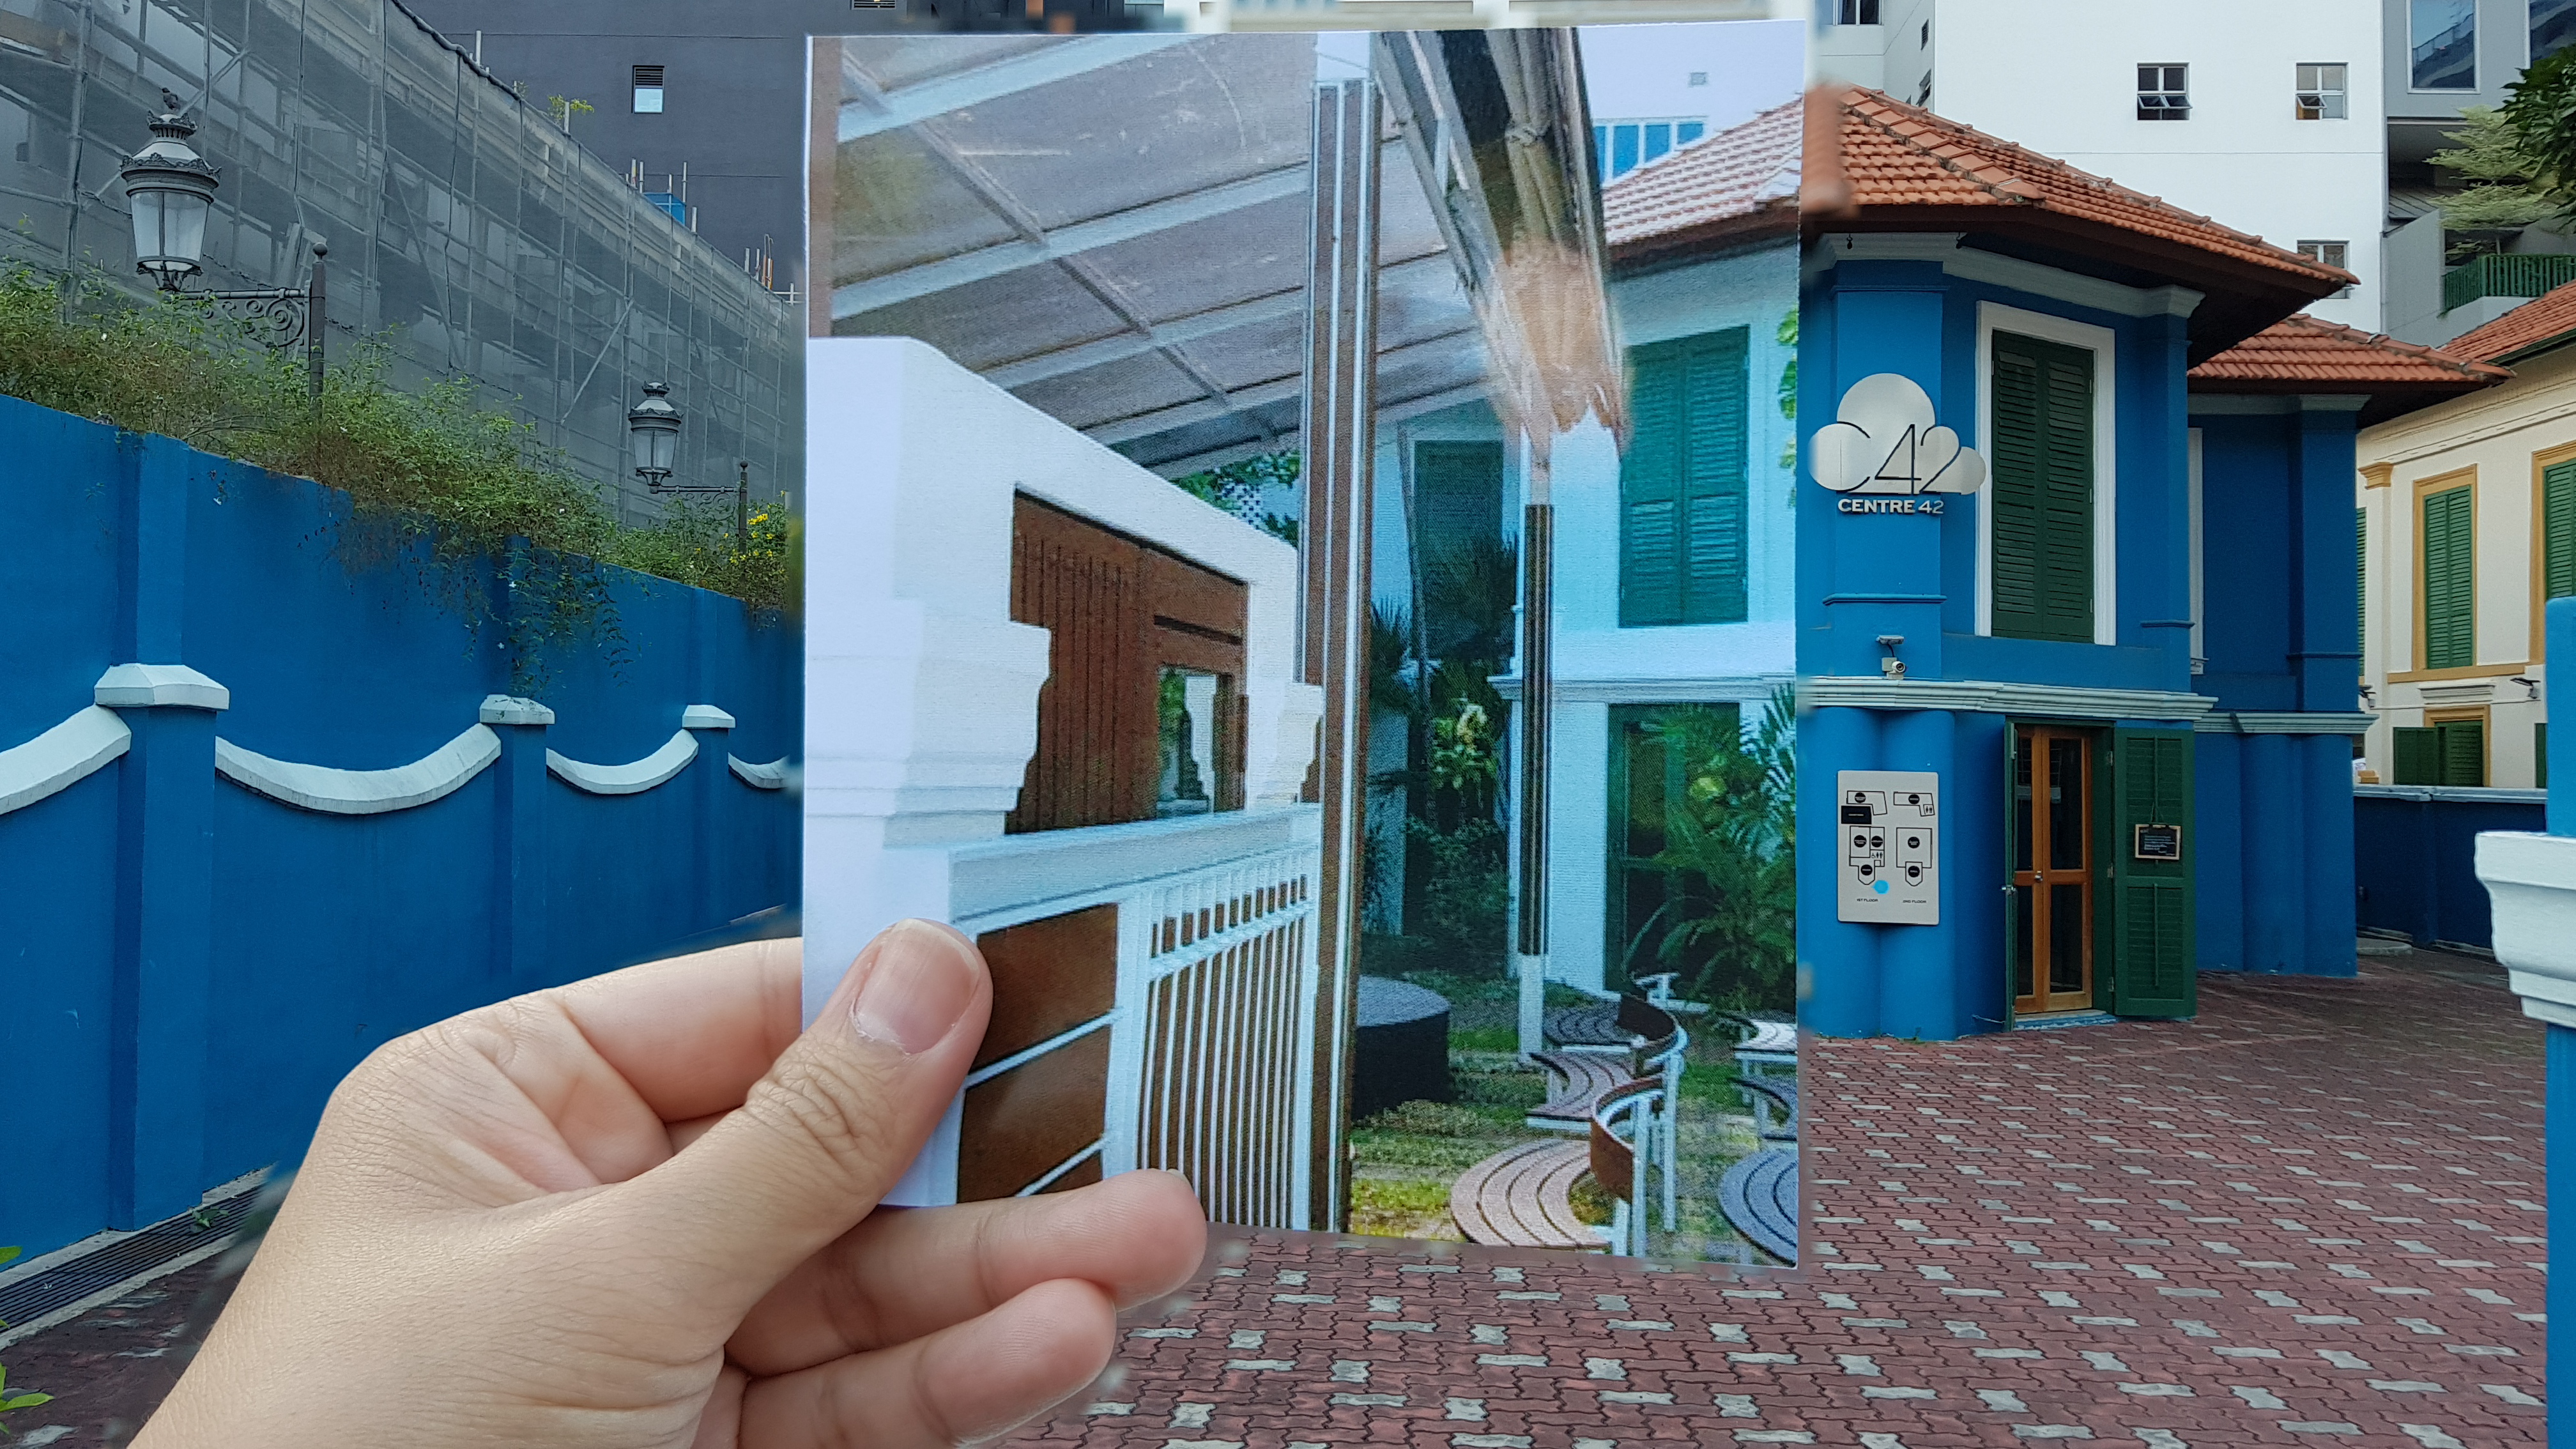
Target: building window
1682 483
2164 93
648 90
1699 77
1925 43
2449 582
1923 95
2321 93
1655 749
1856 12
2450 749
1624 146
2553 24
2442 45
2558 530
2041 466
2332 254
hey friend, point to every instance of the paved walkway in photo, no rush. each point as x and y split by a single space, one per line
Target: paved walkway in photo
2312 1216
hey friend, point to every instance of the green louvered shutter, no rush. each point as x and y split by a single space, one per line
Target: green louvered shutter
2558 529
2540 756
1458 494
2464 751
2041 461
2361 589
2450 580
1650 493
1682 483
2153 972
2418 756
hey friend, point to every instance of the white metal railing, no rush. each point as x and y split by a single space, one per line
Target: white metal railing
1213 1032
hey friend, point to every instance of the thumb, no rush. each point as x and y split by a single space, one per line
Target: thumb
831 1128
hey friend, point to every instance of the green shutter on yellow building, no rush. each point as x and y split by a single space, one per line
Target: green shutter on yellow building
2450 579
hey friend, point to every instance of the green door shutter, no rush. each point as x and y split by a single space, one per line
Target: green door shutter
2042 463
2361 590
1458 496
2558 529
2418 756
2450 580
2153 971
1682 483
2540 756
2463 747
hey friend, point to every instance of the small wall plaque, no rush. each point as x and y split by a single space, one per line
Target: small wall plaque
2159 842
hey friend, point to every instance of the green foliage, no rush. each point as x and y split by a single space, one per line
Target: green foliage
2540 108
1467 895
563 109
427 469
1468 593
1239 488
1464 758
1787 336
2501 191
1734 836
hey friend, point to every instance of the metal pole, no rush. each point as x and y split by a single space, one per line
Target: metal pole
316 321
742 509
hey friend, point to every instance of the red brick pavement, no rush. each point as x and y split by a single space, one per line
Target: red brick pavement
2312 1216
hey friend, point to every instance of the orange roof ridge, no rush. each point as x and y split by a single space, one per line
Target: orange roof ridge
2534 325
1999 172
2300 352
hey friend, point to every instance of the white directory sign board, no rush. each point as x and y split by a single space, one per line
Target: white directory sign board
1887 855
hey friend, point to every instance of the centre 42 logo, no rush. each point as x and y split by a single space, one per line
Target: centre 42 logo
1884 452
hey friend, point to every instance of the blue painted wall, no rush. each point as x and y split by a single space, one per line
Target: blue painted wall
2280 633
2273 842
1863 576
186 968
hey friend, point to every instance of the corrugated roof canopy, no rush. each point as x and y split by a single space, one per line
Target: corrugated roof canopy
1115 228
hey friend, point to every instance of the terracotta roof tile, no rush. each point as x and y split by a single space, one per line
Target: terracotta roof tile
1740 172
2526 328
1897 155
2305 351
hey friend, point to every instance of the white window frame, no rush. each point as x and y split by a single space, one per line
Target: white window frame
2161 66
2477 52
2103 343
2321 92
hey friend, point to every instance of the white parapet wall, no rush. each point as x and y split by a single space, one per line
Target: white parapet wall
921 692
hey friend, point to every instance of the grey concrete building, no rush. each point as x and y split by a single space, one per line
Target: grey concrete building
2442 57
462 222
704 104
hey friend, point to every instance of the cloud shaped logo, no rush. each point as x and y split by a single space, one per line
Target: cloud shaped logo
1883 440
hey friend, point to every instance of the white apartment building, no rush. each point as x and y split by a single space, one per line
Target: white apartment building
2267 117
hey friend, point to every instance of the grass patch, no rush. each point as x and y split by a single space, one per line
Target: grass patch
427 465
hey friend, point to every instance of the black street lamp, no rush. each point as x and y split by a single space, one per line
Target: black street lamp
653 428
172 189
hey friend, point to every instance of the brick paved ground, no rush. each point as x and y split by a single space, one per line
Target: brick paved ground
2312 1216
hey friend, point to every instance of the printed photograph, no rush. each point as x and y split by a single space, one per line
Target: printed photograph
1298 566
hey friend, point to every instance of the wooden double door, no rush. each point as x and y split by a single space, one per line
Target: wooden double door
2100 870
2053 870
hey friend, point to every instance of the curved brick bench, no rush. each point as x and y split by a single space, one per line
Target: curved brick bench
1575 1082
1759 1197
1519 1198
1765 1093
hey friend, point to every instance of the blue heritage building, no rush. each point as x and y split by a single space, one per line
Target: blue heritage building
2077 614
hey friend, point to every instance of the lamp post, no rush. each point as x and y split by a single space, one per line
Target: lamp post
653 429
171 190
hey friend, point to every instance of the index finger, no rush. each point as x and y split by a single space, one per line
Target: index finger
691 1034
